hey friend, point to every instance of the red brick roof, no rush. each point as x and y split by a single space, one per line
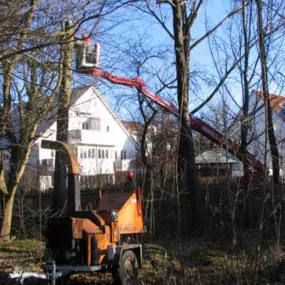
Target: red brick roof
275 100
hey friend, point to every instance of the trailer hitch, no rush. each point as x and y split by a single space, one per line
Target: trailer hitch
52 276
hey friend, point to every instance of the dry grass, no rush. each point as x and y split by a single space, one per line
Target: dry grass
167 262
199 261
22 253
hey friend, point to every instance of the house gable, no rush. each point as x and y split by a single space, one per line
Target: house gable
100 139
83 104
91 104
277 102
257 126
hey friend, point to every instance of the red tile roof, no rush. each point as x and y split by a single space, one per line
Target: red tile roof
132 126
276 101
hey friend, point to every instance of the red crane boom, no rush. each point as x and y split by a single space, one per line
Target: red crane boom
196 124
87 63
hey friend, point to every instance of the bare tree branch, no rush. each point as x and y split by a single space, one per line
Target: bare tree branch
215 28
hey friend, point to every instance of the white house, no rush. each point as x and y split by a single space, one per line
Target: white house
256 123
102 143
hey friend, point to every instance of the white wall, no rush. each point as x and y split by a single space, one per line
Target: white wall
259 143
111 137
92 104
257 146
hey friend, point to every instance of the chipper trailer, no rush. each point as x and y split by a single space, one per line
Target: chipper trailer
89 241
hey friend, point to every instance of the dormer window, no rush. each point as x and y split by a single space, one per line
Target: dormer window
92 124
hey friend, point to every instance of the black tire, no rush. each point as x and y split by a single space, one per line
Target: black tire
127 272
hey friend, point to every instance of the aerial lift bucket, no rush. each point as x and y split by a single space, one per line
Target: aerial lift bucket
87 54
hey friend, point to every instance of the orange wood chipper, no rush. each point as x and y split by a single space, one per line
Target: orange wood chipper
93 240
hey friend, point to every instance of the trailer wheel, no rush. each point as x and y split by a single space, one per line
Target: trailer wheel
127 272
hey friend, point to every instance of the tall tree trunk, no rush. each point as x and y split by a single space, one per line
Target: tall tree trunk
186 170
245 118
244 123
7 221
269 135
60 173
270 130
17 172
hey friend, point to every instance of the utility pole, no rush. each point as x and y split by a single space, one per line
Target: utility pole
60 172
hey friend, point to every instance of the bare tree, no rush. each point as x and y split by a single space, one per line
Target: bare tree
268 112
184 15
31 74
18 166
30 110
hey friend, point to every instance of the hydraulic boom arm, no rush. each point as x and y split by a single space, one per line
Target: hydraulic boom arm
86 53
196 124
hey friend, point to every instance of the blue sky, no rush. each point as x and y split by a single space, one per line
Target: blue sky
131 26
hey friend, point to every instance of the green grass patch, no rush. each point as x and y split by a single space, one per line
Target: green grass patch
26 254
21 247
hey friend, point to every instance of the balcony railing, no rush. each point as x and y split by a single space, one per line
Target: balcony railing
89 136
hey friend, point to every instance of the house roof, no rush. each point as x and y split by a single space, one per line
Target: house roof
276 101
75 95
132 126
51 117
215 157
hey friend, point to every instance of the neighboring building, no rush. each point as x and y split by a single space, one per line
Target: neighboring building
102 143
219 163
134 128
257 125
160 128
